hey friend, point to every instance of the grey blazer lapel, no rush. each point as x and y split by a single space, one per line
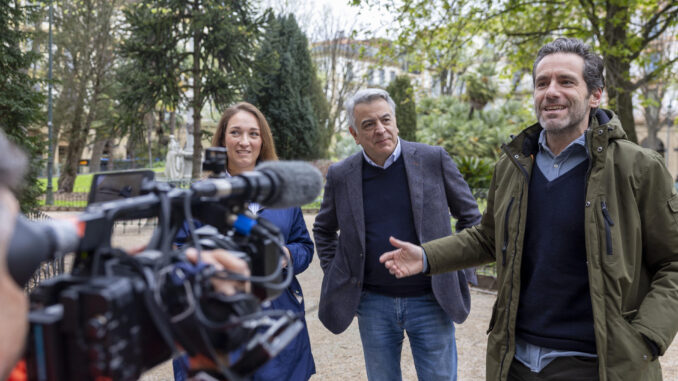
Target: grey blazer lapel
415 180
354 190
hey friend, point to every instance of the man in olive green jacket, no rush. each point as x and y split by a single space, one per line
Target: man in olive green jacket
588 277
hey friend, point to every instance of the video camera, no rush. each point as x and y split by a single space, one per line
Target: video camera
117 315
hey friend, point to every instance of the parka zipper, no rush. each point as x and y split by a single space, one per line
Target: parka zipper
515 161
608 224
506 232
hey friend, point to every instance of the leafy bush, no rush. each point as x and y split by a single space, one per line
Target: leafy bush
444 121
475 143
477 172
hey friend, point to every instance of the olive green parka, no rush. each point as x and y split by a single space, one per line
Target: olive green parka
631 218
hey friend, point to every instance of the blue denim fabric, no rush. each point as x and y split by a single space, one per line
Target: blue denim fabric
382 321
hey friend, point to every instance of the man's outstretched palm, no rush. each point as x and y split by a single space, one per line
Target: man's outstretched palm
405 261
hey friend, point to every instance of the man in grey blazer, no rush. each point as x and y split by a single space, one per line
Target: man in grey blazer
391 188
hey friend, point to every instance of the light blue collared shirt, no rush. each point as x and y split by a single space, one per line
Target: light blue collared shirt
389 160
553 166
535 357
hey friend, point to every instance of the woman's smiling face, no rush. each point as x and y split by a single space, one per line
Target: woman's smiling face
243 142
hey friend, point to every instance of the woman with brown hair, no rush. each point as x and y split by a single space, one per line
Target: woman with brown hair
245 133
244 117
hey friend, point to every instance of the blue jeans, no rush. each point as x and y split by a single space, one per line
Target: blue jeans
382 321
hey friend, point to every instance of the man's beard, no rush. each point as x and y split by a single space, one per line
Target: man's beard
575 115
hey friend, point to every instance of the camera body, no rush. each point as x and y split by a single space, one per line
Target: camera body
116 315
105 327
97 327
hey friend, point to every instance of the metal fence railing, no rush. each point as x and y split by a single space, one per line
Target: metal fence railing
121 231
78 198
48 269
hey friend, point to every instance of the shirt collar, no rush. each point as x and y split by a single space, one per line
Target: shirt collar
578 143
389 160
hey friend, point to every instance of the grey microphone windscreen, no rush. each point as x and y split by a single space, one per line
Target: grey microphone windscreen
299 183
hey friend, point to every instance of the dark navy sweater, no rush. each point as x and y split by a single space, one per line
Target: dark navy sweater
388 212
555 310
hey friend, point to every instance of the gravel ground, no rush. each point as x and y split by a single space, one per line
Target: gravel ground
340 357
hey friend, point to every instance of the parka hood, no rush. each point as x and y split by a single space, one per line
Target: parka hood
527 141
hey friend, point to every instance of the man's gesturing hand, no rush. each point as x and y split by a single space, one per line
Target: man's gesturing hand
406 260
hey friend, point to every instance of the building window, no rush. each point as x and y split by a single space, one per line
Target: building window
61 153
370 77
382 77
393 75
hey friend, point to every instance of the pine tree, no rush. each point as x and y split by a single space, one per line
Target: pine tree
193 50
20 103
402 92
288 92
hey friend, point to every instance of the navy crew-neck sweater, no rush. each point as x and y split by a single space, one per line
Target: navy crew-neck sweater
388 212
554 310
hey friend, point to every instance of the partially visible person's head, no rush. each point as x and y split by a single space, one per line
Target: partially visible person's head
13 164
14 316
568 84
372 123
245 133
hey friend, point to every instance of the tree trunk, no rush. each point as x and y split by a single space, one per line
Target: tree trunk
173 123
197 108
69 171
652 118
445 85
160 139
97 153
150 122
131 149
77 137
625 104
621 102
618 67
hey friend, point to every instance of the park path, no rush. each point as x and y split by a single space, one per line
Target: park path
340 357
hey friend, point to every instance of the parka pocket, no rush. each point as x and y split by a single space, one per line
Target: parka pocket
607 220
504 246
628 354
493 318
673 206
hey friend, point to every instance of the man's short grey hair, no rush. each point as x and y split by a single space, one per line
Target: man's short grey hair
13 163
366 96
593 64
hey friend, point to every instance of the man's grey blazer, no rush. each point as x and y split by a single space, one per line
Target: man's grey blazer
436 190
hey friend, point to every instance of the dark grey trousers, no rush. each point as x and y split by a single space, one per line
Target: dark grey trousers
561 369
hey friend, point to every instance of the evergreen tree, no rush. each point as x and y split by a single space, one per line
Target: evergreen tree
289 93
402 92
20 103
193 50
